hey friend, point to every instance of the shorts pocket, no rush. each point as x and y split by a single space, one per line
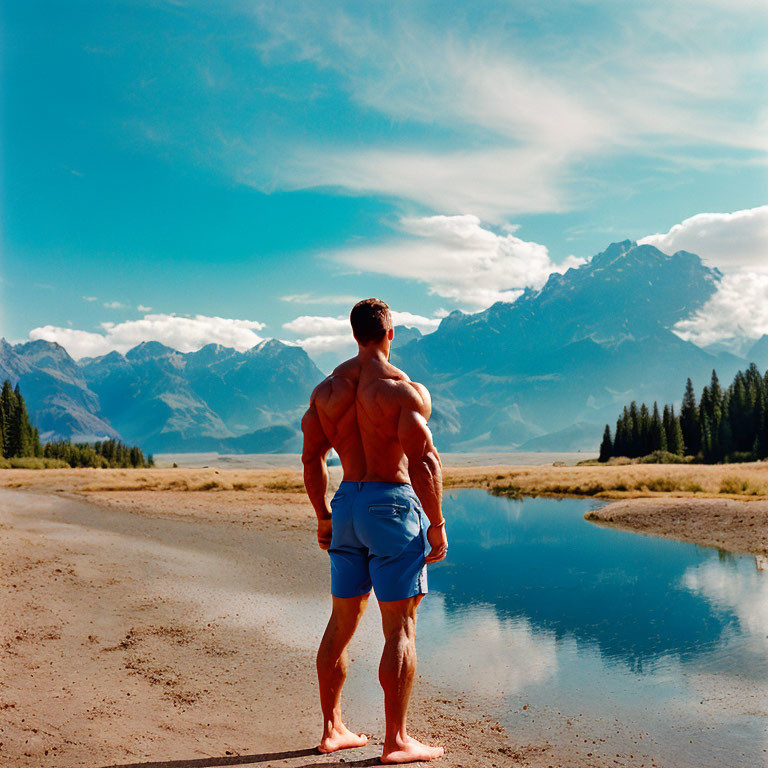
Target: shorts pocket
388 510
391 527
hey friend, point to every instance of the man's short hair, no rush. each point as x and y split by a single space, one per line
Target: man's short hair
370 320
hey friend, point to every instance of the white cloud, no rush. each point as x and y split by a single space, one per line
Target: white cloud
311 298
493 183
514 111
322 335
729 241
461 260
319 325
115 305
743 591
322 325
90 298
142 308
737 244
316 346
500 656
184 333
738 310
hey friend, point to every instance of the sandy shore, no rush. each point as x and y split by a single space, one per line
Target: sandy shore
170 617
175 627
736 526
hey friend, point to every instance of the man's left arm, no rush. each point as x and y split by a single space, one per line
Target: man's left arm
314 451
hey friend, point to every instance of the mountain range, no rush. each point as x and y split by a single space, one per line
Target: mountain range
547 371
544 372
213 399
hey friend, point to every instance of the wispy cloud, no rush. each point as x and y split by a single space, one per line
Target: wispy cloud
90 298
493 183
512 110
181 332
142 308
115 305
460 259
311 298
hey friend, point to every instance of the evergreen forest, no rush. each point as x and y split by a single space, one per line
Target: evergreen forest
20 440
725 425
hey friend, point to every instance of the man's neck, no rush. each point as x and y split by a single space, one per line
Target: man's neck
372 352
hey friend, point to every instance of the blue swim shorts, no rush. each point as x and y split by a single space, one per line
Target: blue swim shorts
379 540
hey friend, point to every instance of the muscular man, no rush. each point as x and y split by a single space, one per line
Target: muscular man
383 525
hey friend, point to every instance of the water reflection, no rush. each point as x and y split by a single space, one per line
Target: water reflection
480 651
537 559
535 605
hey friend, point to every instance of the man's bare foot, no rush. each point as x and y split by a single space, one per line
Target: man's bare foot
340 737
409 750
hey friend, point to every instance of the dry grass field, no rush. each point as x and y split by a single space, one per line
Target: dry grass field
127 480
628 481
733 481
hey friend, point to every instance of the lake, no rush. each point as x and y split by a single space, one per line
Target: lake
617 642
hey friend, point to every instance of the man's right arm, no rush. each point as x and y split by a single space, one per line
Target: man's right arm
424 465
315 449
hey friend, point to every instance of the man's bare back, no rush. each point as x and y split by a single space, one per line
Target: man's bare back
358 408
376 420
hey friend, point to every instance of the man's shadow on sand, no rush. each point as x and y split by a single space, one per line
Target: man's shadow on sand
220 762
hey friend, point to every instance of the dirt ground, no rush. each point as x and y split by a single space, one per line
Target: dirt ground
171 620
181 632
737 526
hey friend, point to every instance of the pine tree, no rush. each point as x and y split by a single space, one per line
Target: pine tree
717 449
633 441
668 420
689 421
626 433
8 412
23 428
715 390
36 444
644 432
725 442
740 414
706 436
606 447
657 438
676 443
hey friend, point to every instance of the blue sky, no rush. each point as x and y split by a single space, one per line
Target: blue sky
172 167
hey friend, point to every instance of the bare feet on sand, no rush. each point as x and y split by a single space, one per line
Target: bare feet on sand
340 737
409 750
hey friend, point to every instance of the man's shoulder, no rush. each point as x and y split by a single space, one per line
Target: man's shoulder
416 395
338 388
349 369
409 395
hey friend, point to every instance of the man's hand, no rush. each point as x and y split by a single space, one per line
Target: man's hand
324 530
439 541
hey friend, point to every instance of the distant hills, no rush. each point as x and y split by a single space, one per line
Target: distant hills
543 373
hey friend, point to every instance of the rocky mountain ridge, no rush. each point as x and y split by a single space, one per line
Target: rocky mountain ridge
545 372
166 400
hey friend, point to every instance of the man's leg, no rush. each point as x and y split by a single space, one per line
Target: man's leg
396 673
332 663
